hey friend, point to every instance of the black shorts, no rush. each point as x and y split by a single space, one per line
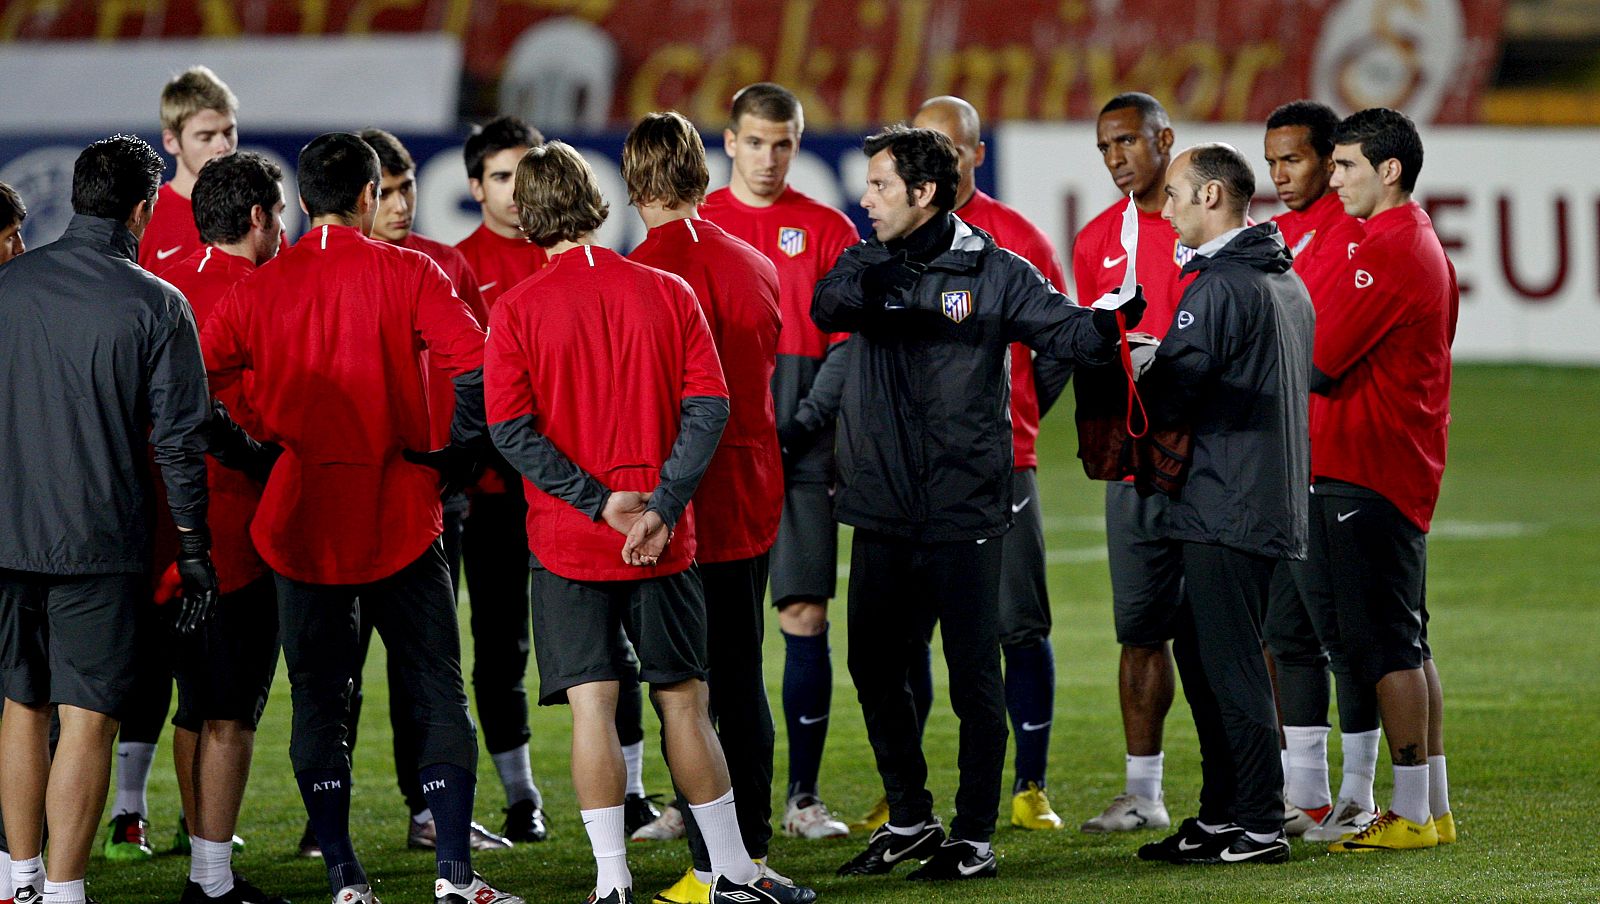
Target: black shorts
1146 566
1377 567
70 639
805 556
225 668
1024 598
576 636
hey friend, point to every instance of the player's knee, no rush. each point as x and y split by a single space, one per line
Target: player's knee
803 617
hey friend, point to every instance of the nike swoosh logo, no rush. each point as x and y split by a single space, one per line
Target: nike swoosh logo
488 285
976 868
1230 857
812 720
1184 845
1019 507
163 255
1108 262
1342 518
1035 726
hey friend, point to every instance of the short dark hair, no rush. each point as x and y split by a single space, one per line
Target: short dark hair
920 156
1385 134
766 100
498 134
1223 163
558 198
227 189
664 161
392 155
12 210
113 175
335 168
1150 109
1318 119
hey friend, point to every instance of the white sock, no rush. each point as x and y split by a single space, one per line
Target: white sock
905 830
1144 775
719 826
27 872
1360 767
1264 837
1305 774
633 759
704 876
610 847
516 774
1283 760
133 775
211 865
1210 828
1438 786
7 890
423 818
64 892
982 847
1411 793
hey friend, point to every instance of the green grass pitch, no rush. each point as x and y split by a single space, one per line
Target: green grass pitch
1513 588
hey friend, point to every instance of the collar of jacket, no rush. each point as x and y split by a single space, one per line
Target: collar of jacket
106 233
1261 247
967 247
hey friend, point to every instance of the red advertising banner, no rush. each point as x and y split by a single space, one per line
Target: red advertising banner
857 63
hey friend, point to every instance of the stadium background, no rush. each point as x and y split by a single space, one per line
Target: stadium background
1508 96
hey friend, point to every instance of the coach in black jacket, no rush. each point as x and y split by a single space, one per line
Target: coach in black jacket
1235 366
925 476
99 361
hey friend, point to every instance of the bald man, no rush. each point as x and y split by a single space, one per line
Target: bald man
1036 383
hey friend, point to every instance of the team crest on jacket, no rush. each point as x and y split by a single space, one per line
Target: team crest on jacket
1301 245
791 240
957 305
1181 253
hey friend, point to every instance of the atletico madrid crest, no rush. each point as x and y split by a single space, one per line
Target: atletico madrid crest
957 305
791 240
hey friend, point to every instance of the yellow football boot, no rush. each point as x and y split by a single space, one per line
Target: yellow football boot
1030 809
1446 826
1389 832
876 817
687 890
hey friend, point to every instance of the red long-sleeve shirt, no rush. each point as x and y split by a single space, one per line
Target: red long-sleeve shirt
1098 263
1384 336
204 278
1323 239
171 234
332 332
599 352
740 499
1012 231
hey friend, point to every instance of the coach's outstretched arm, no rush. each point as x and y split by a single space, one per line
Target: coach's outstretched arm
856 292
1040 317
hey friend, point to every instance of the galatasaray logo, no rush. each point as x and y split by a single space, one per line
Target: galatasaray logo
791 240
957 305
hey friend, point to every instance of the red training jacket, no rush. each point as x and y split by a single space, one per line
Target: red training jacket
740 499
1012 231
1384 336
204 278
600 352
1322 238
332 333
172 234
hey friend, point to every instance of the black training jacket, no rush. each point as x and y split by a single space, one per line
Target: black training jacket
99 361
1235 366
924 444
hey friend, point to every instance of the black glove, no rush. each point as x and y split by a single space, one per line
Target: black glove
198 577
229 444
881 280
1132 310
795 440
458 465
